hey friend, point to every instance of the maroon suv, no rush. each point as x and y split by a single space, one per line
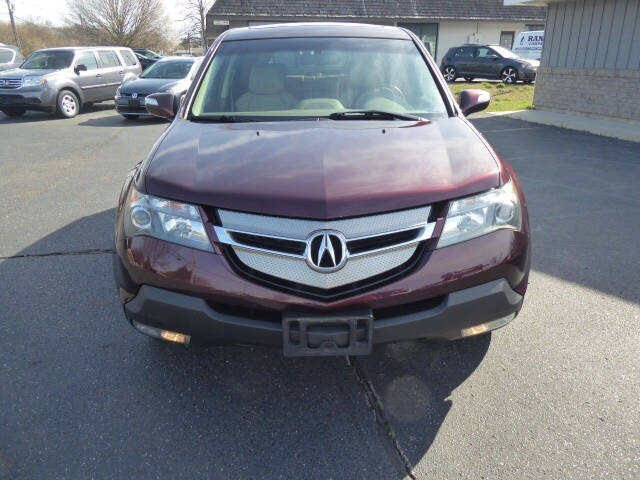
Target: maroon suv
320 190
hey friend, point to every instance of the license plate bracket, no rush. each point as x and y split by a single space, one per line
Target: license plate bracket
311 335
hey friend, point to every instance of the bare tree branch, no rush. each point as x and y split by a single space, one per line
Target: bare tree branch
130 23
196 18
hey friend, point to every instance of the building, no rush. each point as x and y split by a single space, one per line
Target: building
591 57
440 24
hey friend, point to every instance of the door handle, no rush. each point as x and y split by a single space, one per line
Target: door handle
98 75
121 72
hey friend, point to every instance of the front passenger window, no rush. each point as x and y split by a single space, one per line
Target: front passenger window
88 59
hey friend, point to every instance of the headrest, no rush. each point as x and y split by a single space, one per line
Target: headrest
267 79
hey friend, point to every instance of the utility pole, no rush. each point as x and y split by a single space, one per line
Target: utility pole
13 24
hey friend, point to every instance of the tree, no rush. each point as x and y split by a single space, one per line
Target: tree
196 18
188 39
129 23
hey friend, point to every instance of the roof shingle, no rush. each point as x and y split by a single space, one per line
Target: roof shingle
396 9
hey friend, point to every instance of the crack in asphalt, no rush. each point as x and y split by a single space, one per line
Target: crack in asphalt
386 430
91 251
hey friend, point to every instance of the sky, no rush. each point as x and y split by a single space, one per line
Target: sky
54 10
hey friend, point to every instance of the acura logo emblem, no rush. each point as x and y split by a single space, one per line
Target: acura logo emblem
326 251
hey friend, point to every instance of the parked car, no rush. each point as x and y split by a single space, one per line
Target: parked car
147 53
63 80
487 61
170 74
529 44
10 57
146 57
320 190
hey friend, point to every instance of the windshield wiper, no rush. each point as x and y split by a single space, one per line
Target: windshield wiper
219 119
373 115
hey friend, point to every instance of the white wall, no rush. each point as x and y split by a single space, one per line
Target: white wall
453 34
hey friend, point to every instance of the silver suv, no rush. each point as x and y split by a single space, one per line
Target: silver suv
63 80
10 57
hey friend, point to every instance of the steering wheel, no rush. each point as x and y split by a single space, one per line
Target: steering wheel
391 92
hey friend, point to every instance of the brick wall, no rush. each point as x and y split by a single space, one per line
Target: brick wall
611 93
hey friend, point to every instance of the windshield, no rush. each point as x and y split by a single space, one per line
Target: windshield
51 60
315 77
168 69
505 52
148 54
6 55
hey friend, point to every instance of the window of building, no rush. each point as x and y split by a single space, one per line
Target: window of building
506 39
533 27
427 32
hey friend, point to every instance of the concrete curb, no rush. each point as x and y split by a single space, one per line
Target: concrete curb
623 130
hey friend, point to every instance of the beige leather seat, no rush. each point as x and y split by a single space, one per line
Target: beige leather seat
266 90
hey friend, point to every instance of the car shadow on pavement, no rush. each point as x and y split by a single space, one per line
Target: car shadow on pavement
412 381
117 120
33 116
141 408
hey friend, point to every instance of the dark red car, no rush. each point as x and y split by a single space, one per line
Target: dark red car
320 190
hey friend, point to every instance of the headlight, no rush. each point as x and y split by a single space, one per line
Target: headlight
524 66
481 214
166 220
118 91
169 90
33 81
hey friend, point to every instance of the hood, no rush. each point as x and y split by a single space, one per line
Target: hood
530 61
320 169
149 85
19 72
7 66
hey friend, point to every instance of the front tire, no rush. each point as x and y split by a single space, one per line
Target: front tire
509 75
14 112
68 104
131 117
450 73
469 79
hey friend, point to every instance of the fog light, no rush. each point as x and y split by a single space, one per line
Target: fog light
486 327
167 335
175 337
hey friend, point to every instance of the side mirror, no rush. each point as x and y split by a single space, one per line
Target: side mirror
161 105
472 101
81 68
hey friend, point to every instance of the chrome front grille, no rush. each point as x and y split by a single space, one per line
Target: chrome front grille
10 82
355 249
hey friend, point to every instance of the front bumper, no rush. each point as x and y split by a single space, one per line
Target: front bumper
466 312
29 98
528 74
124 107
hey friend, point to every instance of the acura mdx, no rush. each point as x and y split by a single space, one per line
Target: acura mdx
320 190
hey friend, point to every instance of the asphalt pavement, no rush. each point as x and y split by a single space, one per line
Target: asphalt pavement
556 394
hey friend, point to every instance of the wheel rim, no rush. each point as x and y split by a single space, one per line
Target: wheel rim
68 104
449 74
509 75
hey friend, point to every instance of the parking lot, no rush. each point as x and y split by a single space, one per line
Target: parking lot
553 395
